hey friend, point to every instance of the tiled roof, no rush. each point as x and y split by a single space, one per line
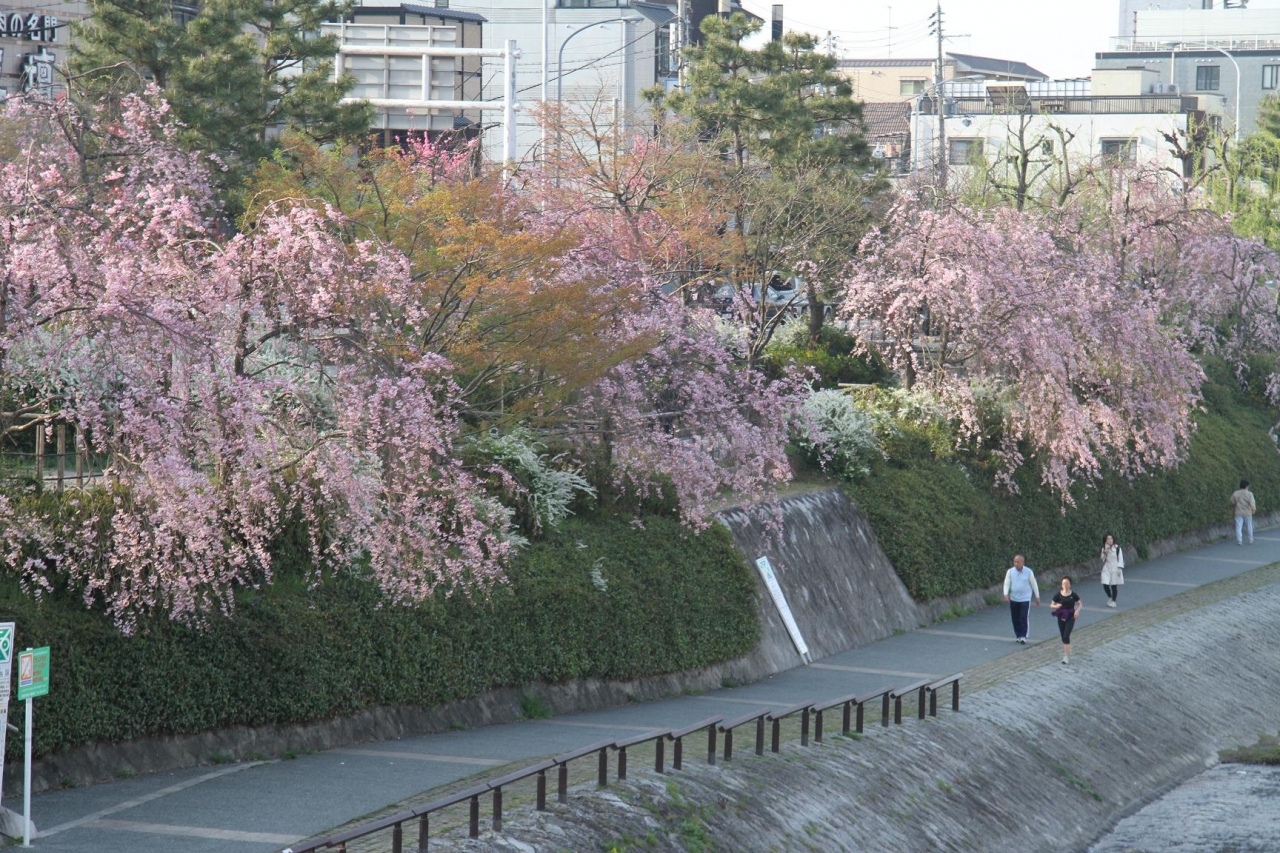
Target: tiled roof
883 63
886 119
997 67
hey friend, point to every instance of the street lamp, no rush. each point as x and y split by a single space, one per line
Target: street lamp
630 19
1237 67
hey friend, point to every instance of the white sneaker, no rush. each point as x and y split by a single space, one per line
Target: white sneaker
1111 603
1066 661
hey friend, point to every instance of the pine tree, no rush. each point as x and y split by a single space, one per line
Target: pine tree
783 101
233 73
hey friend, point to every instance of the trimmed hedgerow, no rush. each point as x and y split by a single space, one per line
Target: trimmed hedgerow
948 530
599 598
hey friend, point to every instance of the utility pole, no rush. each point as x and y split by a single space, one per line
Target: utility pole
940 98
681 39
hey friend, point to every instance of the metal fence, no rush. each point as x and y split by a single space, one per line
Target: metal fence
810 714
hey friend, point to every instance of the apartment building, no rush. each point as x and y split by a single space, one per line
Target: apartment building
1230 53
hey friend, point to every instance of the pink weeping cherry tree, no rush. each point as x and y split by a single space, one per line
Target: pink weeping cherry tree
1005 315
236 386
232 386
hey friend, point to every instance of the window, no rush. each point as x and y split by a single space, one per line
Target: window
963 151
909 86
1207 78
592 4
1120 151
1270 76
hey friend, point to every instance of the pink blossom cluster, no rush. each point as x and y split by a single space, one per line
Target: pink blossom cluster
239 384
1072 332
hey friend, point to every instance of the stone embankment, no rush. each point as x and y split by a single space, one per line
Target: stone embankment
1043 756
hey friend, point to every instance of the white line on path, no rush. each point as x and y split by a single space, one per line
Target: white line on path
595 725
196 831
1160 583
420 756
1001 639
756 702
866 671
146 798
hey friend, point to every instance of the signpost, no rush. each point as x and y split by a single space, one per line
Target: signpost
775 592
33 681
6 670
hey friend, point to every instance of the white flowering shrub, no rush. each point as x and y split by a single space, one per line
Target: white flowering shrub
791 334
845 440
542 491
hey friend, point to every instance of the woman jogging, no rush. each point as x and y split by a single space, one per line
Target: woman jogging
1066 606
1112 569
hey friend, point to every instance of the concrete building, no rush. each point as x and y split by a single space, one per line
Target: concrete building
897 80
1231 53
33 38
1115 117
444 78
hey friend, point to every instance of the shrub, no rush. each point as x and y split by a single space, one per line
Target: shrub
847 442
293 654
947 529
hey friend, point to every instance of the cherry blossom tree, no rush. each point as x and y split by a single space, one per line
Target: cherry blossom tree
320 368
234 386
1002 316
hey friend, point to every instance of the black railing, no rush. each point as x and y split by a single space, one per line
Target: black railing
852 707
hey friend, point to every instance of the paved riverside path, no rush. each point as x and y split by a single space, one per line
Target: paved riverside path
263 806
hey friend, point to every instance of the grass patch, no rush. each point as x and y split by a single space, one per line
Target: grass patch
1265 751
533 707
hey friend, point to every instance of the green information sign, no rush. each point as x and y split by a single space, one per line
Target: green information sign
33 673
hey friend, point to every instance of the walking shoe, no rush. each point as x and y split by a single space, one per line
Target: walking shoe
1066 661
1111 603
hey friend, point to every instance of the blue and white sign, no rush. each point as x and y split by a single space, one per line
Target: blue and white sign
780 601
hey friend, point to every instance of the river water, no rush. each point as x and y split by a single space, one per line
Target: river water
1229 808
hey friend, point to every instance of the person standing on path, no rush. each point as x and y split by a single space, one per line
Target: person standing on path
1019 589
1112 568
1243 505
1066 606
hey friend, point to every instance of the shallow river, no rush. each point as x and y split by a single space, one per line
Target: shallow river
1230 808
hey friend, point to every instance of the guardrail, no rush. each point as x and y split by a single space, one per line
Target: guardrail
852 717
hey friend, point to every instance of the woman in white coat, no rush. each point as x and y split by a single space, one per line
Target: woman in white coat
1112 569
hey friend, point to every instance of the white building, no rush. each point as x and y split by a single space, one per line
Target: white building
1206 48
1116 117
597 50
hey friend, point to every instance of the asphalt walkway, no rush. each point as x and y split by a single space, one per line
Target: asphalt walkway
258 807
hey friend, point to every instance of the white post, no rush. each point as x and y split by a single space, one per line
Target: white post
509 105
26 783
624 81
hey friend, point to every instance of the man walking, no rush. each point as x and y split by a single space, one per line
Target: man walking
1019 588
1243 505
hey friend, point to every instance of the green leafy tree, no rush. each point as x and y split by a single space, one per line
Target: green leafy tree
232 73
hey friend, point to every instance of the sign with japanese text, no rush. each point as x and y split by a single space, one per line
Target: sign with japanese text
33 673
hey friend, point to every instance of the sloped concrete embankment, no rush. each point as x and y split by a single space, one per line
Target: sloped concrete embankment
840 586
1045 760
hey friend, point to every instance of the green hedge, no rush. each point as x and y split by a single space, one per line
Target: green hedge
948 531
674 601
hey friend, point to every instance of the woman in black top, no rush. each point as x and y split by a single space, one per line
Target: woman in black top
1066 606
